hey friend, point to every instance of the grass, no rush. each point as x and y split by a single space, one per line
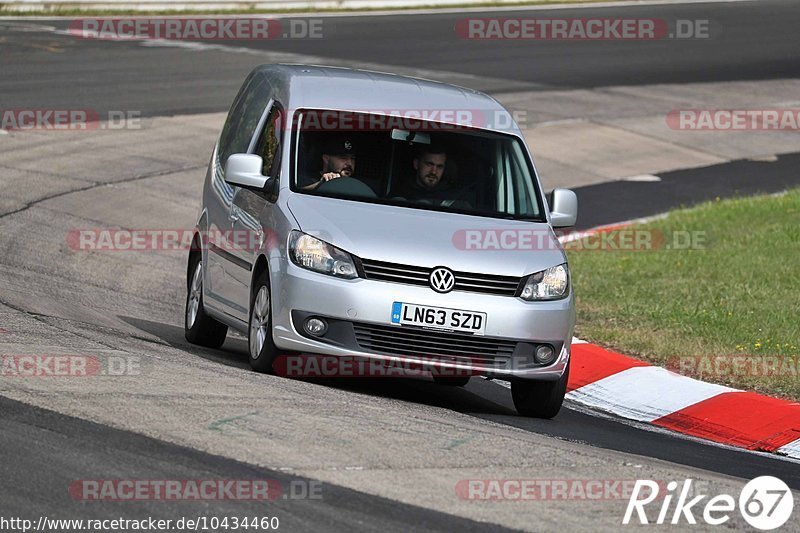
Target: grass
695 310
56 11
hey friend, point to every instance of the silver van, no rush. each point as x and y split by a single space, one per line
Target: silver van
362 214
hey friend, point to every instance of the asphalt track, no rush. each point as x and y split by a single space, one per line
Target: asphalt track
46 451
46 70
748 41
69 444
684 188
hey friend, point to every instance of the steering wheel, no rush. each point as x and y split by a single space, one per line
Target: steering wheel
347 185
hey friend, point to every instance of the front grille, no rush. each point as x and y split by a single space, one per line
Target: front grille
465 281
410 341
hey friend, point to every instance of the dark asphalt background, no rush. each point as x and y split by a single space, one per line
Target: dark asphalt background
57 447
748 41
616 201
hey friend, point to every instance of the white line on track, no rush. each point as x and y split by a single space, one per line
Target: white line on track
643 178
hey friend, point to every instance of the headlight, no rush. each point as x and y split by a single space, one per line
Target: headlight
550 284
313 254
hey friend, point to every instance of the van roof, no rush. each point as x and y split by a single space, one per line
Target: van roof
323 87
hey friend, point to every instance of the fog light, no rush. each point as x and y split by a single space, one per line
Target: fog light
545 354
316 326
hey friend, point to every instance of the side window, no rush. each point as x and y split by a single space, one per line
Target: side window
505 198
270 141
243 117
523 186
515 193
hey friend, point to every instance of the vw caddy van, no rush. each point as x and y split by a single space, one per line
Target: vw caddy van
397 220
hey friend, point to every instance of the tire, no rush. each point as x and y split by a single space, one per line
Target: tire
539 399
199 328
261 346
458 381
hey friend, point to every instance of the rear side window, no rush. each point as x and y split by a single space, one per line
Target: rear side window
243 117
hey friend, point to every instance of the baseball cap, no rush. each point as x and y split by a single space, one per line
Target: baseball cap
338 147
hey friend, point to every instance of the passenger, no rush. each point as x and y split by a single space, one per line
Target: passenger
427 185
429 166
338 160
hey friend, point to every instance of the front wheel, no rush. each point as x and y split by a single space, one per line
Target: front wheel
262 347
540 399
199 328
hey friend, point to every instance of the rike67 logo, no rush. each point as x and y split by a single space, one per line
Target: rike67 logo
765 503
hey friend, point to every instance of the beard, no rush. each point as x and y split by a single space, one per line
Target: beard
431 180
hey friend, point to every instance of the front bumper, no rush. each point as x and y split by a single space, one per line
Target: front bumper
366 304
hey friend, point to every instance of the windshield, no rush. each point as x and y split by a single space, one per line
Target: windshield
417 164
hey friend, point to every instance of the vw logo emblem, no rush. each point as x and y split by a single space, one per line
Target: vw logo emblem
442 279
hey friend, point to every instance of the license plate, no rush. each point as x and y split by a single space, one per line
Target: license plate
425 316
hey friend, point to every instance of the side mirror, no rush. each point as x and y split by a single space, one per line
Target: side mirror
271 189
564 208
244 170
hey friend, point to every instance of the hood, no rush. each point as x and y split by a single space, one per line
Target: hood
425 238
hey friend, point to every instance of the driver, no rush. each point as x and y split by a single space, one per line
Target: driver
338 160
